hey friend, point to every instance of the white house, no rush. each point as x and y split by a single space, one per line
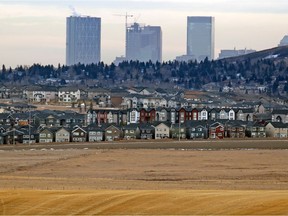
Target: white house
67 94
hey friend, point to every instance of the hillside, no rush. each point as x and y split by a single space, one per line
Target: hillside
264 72
276 53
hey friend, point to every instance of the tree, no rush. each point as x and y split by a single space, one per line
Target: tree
3 69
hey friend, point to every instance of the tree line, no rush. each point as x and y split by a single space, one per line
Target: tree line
188 75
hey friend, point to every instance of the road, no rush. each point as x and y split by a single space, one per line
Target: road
165 144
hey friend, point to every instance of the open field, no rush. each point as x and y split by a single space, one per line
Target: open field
45 181
146 202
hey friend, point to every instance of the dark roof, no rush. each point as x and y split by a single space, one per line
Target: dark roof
130 126
280 112
145 126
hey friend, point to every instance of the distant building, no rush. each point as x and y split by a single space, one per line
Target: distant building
83 40
119 60
234 52
185 58
284 41
143 43
200 37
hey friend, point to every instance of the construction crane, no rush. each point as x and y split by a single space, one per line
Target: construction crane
126 23
126 18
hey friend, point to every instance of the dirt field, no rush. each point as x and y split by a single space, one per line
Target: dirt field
143 181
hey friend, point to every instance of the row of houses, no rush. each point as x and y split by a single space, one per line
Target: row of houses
171 115
48 118
124 98
112 132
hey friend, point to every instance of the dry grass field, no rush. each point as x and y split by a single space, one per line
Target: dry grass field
143 182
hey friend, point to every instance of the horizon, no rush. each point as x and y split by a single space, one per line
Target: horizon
35 31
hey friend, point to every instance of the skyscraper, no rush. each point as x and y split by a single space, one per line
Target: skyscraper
200 37
143 43
83 40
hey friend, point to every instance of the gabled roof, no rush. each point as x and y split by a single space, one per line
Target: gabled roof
195 124
216 124
78 128
106 126
156 124
278 125
63 128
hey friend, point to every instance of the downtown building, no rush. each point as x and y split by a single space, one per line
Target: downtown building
143 43
83 40
200 37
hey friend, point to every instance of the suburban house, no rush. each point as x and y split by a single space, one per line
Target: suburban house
234 129
162 114
95 133
78 134
255 130
69 94
146 131
46 135
197 130
62 135
162 130
280 116
13 136
178 130
40 94
131 131
276 130
29 136
147 115
244 114
216 131
112 133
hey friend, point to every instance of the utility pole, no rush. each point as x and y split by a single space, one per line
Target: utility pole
29 122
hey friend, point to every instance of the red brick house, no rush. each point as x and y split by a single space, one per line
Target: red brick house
216 131
147 115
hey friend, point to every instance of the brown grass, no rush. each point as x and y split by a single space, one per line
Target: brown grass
175 202
151 182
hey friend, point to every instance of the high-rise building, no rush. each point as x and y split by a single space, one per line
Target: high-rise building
143 43
200 37
83 40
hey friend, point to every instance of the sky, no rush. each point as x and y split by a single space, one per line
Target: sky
34 31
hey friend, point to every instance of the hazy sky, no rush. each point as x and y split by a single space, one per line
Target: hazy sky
34 31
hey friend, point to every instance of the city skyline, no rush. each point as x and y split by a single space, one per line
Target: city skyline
34 31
